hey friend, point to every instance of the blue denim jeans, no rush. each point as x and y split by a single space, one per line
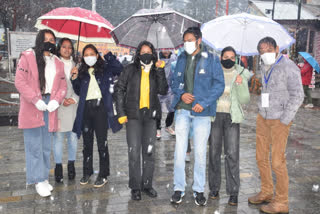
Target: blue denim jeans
201 130
58 139
37 143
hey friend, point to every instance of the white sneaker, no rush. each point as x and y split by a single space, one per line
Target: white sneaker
50 187
158 134
170 131
188 158
310 105
42 189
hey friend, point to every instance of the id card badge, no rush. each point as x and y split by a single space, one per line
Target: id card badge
265 100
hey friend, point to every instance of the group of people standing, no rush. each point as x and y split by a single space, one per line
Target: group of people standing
58 100
206 91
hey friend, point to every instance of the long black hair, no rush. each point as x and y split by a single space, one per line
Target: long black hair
60 44
41 63
98 67
136 59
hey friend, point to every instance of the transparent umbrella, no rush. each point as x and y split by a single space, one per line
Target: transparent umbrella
162 27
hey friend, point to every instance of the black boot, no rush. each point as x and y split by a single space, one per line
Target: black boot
71 170
58 174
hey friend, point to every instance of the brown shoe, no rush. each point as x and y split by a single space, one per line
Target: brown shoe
260 198
275 207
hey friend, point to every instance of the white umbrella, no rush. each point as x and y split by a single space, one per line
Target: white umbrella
243 32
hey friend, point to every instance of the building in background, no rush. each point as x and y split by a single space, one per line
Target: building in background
286 13
102 47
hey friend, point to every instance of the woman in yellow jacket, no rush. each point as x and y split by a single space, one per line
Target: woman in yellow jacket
137 104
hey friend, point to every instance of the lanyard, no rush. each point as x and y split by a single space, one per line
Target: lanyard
266 80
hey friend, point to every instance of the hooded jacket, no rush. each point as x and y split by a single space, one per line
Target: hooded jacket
28 85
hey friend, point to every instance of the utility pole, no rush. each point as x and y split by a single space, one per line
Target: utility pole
227 7
162 1
217 5
151 4
299 14
94 5
273 7
295 54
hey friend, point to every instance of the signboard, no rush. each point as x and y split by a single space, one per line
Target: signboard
2 36
20 41
102 47
313 82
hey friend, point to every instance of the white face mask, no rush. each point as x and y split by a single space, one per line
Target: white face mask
190 47
268 58
90 60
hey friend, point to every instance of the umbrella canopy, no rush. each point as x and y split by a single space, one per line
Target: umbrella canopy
311 61
243 32
162 27
77 24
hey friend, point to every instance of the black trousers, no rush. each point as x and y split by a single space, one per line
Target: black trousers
140 134
95 120
223 130
169 120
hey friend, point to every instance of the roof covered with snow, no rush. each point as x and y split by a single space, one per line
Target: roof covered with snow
283 10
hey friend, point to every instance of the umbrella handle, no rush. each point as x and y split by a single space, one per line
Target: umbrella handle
78 38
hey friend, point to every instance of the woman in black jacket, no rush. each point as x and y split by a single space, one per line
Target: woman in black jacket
137 104
92 83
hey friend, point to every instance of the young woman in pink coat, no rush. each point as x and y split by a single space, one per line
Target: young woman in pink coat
40 80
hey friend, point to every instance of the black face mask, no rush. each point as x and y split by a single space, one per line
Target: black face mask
146 58
228 63
48 46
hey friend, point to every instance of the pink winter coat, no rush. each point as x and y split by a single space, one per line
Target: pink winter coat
28 85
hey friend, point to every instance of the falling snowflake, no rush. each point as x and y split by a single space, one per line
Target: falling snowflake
315 188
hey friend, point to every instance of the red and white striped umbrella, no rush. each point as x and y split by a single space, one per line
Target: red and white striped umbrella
77 24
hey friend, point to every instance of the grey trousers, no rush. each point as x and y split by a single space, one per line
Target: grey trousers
223 130
140 134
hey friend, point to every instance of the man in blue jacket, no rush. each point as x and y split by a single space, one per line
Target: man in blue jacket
197 83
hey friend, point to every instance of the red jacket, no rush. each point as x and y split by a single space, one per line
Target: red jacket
306 73
27 83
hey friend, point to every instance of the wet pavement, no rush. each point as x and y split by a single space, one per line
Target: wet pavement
303 160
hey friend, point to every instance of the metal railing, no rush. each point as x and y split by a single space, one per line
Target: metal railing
9 102
6 101
6 80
